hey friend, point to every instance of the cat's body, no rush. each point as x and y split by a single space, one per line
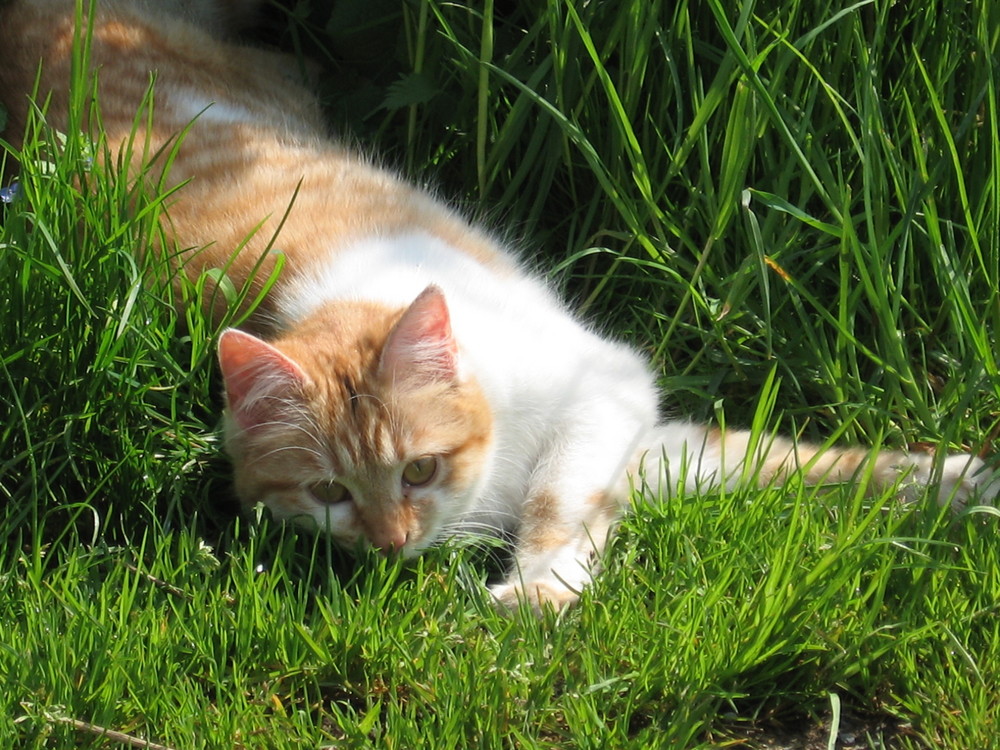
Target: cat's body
415 380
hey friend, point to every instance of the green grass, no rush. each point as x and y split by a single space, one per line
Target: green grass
796 203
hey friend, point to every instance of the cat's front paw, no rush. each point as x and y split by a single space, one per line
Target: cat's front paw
967 480
539 595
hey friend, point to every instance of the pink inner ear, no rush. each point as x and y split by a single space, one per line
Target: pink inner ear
420 348
257 376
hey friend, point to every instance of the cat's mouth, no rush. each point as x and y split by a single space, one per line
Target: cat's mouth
405 533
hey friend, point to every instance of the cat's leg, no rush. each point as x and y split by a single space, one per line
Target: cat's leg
557 544
576 494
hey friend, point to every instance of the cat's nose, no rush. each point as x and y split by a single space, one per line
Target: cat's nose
391 542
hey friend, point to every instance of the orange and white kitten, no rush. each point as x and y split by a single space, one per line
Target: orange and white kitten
405 379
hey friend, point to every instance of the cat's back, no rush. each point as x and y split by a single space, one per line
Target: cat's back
251 146
175 47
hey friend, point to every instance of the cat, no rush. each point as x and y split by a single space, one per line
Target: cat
405 378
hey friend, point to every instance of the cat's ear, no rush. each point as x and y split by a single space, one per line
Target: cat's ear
259 379
420 348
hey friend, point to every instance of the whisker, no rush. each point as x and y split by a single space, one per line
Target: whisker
283 448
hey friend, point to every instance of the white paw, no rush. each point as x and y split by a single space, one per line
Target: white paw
967 480
538 595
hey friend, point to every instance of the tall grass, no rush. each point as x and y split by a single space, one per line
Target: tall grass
792 206
101 382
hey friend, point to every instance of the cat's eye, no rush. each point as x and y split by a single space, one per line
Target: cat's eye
421 471
330 493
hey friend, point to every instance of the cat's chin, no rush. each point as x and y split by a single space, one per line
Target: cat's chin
414 547
408 551
418 544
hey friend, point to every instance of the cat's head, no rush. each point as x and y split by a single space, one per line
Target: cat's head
360 421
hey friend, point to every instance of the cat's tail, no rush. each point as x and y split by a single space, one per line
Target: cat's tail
682 457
